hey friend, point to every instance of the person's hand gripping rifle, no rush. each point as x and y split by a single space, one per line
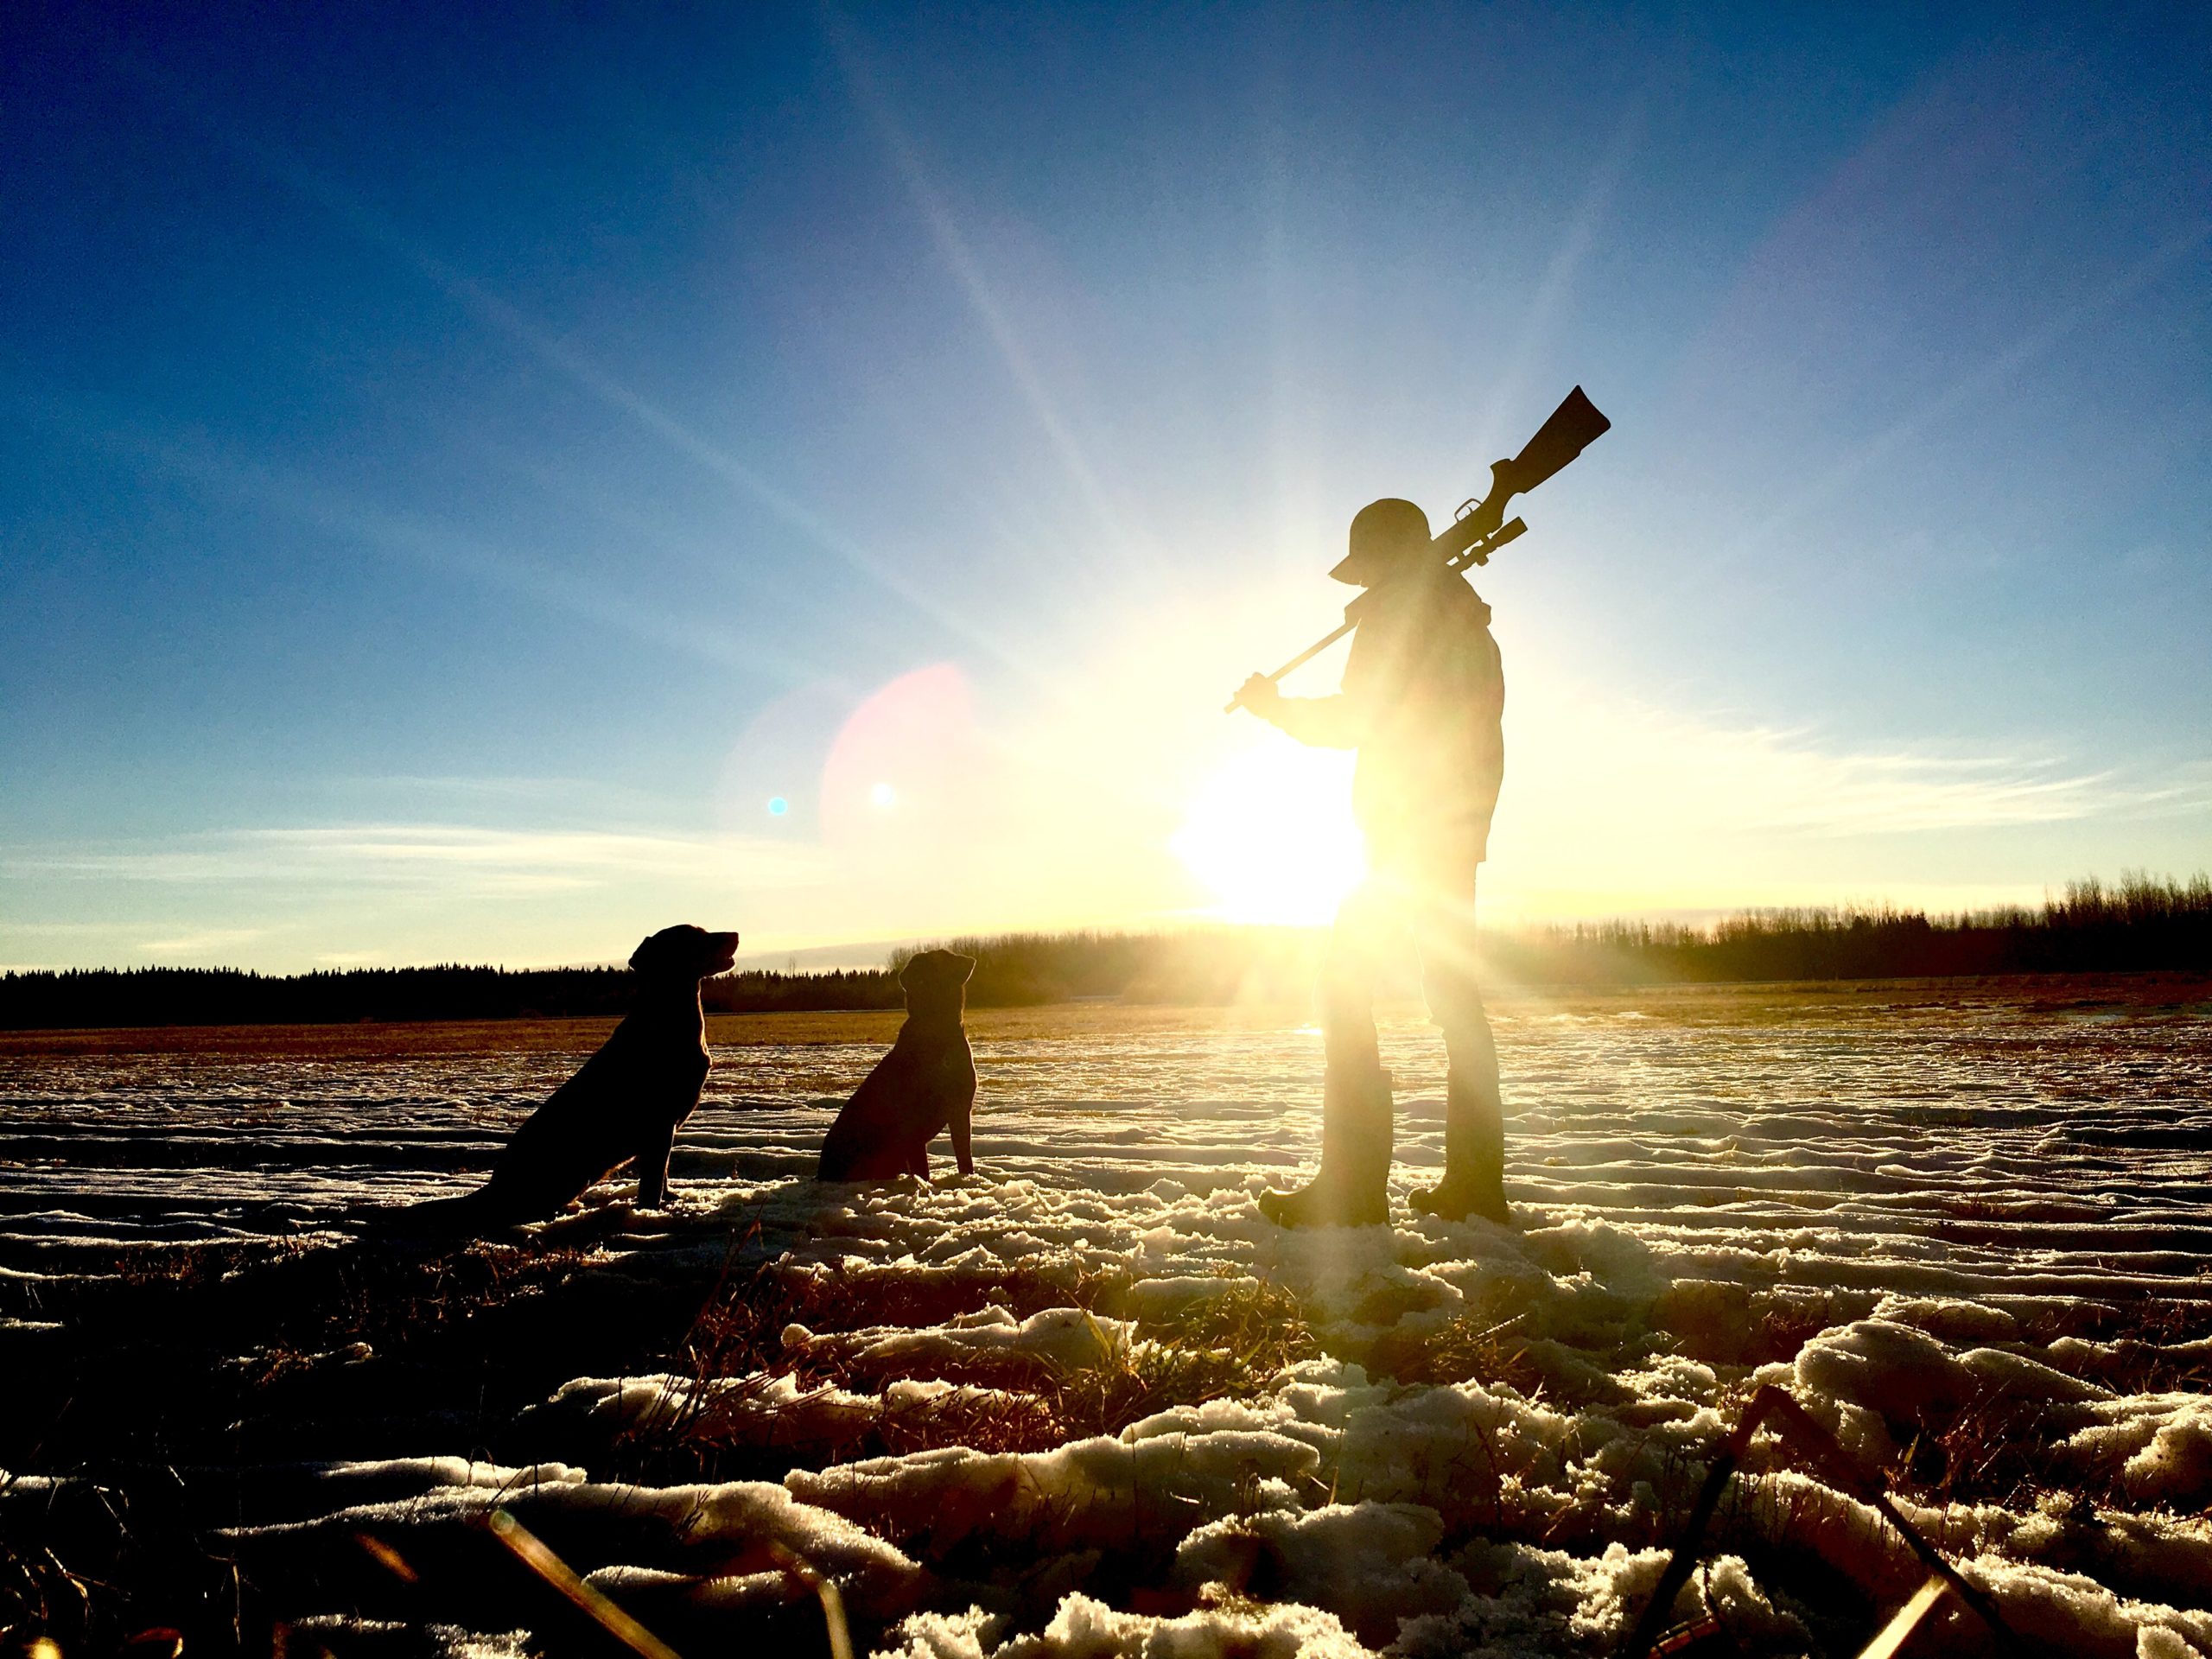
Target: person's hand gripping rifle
1479 532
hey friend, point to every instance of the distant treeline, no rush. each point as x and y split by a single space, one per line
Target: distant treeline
2142 923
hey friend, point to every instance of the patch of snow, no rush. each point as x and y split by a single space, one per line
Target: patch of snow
1111 1491
1057 1338
675 1530
1370 1564
2176 1467
1084 1628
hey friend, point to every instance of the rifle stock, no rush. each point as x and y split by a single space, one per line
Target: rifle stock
1573 427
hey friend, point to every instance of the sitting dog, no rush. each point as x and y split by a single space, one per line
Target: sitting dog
925 1084
622 1107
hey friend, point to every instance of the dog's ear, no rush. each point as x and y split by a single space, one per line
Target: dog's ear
933 980
671 950
936 970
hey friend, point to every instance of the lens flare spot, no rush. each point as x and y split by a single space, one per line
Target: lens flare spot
883 797
778 806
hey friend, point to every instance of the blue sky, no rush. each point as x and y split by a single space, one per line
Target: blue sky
458 469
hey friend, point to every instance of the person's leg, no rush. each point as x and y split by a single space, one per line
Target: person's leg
1352 1187
1364 922
1474 1122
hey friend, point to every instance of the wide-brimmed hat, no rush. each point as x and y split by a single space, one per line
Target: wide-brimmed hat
1382 533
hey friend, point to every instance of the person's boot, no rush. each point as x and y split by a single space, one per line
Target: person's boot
1353 1186
1474 1158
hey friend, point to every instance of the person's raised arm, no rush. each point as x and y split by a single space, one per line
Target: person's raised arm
1337 722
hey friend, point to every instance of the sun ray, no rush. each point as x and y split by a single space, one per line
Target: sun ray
953 247
1984 377
402 537
508 320
1508 380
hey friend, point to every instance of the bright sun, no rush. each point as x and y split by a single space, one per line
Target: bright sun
1271 836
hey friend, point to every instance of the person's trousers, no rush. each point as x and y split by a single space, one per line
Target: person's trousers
1416 907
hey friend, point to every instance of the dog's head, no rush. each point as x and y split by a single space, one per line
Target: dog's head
684 952
936 982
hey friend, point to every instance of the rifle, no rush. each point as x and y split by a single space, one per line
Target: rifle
1477 529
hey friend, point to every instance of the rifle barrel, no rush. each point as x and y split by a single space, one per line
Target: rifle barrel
1479 552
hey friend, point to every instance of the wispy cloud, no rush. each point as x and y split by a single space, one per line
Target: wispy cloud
1787 780
516 788
435 855
193 944
1607 764
65 929
1614 808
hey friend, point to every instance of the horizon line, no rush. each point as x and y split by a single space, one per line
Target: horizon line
878 955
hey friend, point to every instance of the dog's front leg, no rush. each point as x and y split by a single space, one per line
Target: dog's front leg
961 1129
652 1170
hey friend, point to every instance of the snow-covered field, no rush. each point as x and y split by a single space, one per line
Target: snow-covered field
1970 1226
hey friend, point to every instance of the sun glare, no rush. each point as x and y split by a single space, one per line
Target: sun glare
1271 837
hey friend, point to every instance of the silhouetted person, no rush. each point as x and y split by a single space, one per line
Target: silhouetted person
1423 702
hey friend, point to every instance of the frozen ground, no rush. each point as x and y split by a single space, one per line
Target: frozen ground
1969 1226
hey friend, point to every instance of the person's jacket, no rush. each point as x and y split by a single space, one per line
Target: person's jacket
1424 704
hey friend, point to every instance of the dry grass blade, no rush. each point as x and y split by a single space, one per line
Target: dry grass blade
1910 1618
386 1557
534 1554
532 1551
832 1600
1770 1405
